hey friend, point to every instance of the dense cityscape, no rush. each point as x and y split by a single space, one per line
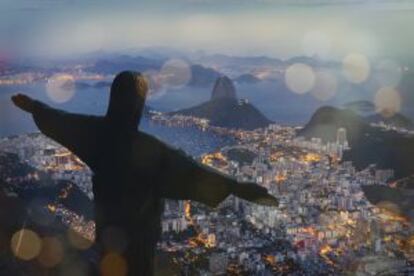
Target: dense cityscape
324 224
202 137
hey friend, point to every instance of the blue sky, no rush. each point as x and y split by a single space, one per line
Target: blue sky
243 27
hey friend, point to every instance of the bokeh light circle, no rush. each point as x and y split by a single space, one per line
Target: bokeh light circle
175 73
325 86
356 67
26 244
60 87
299 78
77 240
155 84
52 252
74 268
387 101
113 264
389 206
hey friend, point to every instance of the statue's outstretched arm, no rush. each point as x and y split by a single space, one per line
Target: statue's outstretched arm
184 178
73 131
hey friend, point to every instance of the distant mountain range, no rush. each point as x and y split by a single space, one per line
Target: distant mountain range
225 110
247 79
97 85
233 61
201 76
369 145
124 62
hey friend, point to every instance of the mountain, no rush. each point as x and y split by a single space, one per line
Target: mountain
96 85
367 109
225 110
228 113
360 107
124 62
236 61
223 88
398 201
247 78
202 76
326 120
406 183
44 187
313 61
369 145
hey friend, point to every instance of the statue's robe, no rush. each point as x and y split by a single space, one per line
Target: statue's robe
132 173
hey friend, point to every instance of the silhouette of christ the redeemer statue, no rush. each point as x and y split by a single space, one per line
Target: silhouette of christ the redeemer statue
133 171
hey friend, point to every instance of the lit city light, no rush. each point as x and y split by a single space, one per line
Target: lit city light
280 177
311 157
187 211
325 249
51 208
214 158
307 101
77 240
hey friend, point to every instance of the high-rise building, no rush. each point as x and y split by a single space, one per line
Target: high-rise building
341 138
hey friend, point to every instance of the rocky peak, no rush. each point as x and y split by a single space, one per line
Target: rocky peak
223 88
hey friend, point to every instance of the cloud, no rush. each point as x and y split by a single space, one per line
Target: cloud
261 28
241 33
312 3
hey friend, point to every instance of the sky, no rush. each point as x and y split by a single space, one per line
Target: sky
278 28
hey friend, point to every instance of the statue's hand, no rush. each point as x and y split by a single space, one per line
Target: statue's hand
24 102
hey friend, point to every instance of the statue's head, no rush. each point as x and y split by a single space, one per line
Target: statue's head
127 99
